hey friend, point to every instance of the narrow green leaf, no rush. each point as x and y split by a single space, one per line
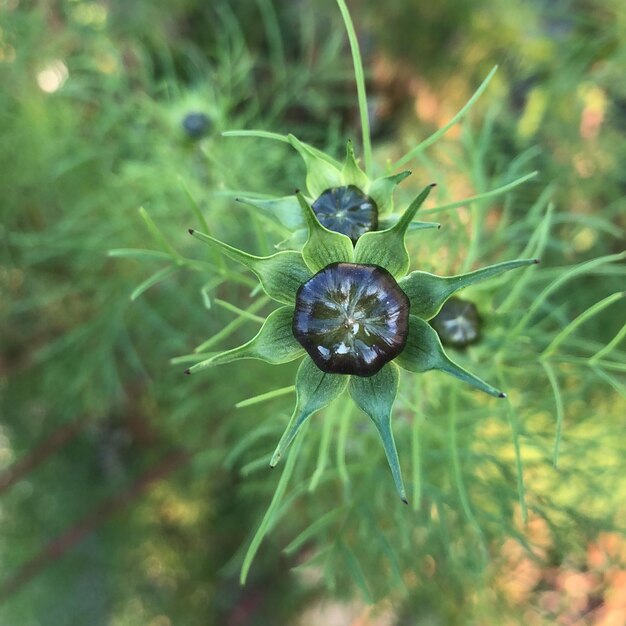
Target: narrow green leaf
573 272
621 334
285 210
428 292
442 131
138 253
356 571
274 344
195 206
381 190
314 390
241 312
352 173
264 134
342 445
158 237
264 397
231 327
558 400
387 248
323 246
581 319
281 274
322 455
416 458
269 516
514 426
423 352
537 244
375 396
414 226
312 530
483 196
156 278
458 478
321 175
359 76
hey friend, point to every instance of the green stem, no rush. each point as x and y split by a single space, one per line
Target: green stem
360 86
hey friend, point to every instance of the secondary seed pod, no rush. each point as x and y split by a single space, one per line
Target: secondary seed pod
346 210
458 323
351 318
196 125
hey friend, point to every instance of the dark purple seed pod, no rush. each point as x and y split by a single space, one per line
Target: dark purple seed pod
351 318
196 125
458 323
346 210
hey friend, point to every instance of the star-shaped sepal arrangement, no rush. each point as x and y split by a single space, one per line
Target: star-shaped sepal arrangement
342 196
356 316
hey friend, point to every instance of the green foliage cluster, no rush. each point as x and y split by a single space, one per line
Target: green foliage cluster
162 493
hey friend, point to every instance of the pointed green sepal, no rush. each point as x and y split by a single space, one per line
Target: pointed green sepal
352 173
375 396
381 190
314 390
428 292
423 352
285 210
323 246
320 174
280 274
274 344
387 248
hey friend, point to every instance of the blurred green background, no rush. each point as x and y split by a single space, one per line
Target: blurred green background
129 493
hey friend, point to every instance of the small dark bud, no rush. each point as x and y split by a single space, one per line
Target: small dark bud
196 125
346 210
458 323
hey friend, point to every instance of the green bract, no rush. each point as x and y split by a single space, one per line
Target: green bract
283 274
324 175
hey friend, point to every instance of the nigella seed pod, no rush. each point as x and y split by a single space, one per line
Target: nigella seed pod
458 323
351 318
346 210
196 125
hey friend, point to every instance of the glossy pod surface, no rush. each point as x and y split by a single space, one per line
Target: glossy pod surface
458 323
346 210
351 318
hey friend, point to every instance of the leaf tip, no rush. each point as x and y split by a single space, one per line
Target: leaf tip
187 371
536 261
432 185
502 395
191 231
